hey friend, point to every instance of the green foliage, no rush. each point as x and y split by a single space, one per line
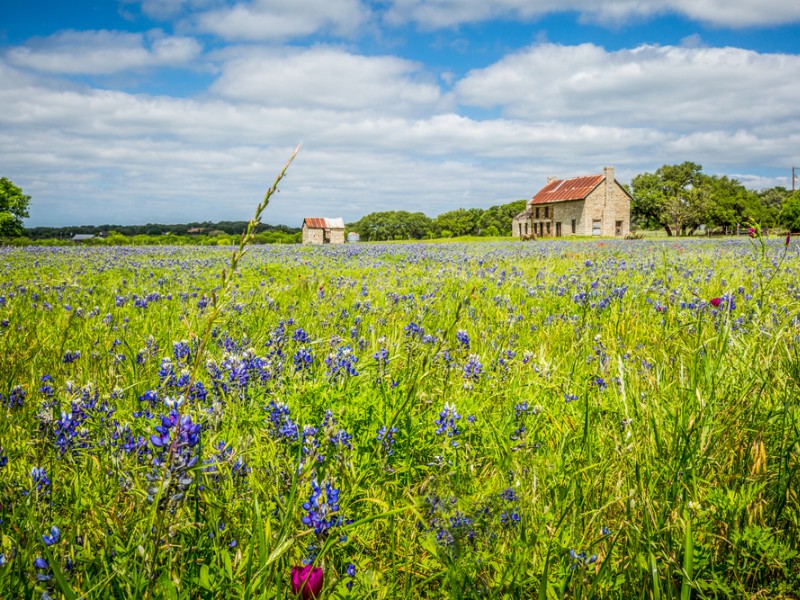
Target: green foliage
680 198
639 400
13 208
392 225
675 197
790 212
402 225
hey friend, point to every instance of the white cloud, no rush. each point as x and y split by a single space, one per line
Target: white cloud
730 13
327 78
281 20
679 88
103 52
379 134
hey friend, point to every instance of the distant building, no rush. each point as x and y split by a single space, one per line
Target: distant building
588 205
353 237
82 237
319 230
195 230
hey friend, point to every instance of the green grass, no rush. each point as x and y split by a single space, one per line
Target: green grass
658 459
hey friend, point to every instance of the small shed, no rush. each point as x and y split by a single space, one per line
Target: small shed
321 230
353 237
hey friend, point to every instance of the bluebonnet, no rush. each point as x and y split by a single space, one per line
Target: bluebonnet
40 479
43 572
178 476
463 338
580 559
53 537
301 336
3 458
447 422
341 363
386 438
46 388
303 359
71 356
473 368
322 508
413 330
16 399
282 426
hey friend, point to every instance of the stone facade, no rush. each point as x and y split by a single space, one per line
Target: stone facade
319 230
586 206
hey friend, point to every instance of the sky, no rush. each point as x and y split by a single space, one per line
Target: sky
173 111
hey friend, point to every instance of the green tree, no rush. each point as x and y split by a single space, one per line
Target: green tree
731 204
790 213
457 222
772 200
498 218
675 197
13 208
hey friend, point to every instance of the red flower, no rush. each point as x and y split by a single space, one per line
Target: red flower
307 581
715 302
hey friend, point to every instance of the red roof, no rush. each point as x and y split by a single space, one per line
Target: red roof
562 190
323 223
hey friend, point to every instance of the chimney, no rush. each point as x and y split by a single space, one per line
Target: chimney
551 179
609 174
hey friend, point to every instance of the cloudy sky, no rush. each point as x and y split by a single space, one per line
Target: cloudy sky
136 111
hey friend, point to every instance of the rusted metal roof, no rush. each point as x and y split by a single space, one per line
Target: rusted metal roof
562 190
323 223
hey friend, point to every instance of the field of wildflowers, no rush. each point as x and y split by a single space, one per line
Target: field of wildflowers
504 420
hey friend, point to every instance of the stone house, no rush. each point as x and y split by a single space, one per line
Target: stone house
588 205
319 230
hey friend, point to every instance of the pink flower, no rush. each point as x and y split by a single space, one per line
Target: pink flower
715 302
752 232
307 581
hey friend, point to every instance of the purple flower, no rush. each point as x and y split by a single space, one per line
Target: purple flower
307 581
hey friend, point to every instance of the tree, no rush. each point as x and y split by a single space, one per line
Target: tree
732 204
675 197
772 200
13 208
790 213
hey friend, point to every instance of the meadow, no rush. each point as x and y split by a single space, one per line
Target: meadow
556 419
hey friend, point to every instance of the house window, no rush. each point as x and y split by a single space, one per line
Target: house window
596 227
548 228
526 229
558 229
537 212
546 212
519 225
618 228
574 226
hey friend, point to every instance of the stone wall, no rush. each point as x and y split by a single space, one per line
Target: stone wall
313 235
608 204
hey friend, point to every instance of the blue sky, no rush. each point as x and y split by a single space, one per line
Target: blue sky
169 111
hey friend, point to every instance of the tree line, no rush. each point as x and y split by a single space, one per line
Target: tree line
403 225
205 229
682 199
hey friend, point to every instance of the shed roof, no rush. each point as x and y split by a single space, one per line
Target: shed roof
323 223
562 190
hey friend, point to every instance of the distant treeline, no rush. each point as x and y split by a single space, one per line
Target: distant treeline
206 228
403 225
